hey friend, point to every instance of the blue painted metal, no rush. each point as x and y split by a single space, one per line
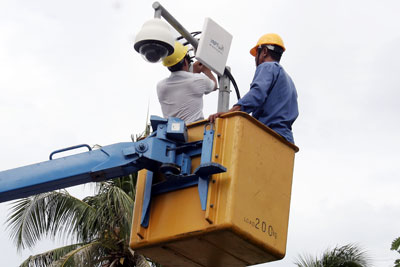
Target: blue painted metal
200 177
68 148
209 168
59 173
176 130
174 182
146 200
206 153
167 147
185 162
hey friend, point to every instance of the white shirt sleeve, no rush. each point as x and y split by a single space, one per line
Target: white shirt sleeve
205 84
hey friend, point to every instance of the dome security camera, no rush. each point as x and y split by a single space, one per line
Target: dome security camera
155 40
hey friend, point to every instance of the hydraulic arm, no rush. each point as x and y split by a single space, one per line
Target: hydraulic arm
166 151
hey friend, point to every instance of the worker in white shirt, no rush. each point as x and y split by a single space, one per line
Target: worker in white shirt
181 94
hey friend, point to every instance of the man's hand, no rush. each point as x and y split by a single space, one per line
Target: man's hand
212 117
198 67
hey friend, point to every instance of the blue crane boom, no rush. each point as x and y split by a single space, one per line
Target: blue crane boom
166 150
64 172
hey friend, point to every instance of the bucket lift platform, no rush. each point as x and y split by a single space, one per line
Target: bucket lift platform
245 217
212 195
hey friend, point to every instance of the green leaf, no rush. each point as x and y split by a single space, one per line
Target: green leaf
46 258
49 214
396 244
99 225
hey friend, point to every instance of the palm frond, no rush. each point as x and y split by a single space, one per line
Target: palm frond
46 214
396 244
86 255
114 209
27 220
307 261
346 256
100 224
66 214
126 183
46 258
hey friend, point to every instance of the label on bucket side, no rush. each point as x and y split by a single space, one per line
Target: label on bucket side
262 226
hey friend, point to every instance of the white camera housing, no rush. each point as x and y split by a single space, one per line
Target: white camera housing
155 40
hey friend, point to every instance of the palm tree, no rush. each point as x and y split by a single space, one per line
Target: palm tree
98 226
396 247
346 256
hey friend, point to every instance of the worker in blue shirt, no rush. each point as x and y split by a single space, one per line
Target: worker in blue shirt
272 98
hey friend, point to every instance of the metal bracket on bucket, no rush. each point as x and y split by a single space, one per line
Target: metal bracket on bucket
199 177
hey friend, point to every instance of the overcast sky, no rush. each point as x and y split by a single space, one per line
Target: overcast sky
69 75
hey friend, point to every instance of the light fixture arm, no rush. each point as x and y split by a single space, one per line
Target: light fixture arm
160 11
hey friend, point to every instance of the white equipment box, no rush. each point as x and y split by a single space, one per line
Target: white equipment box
214 46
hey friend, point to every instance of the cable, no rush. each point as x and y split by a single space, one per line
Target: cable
192 33
229 74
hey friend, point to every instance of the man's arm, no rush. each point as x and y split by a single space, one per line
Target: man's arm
200 68
212 117
264 77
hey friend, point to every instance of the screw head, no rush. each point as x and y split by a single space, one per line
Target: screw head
141 147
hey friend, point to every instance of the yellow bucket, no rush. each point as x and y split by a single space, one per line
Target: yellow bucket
246 220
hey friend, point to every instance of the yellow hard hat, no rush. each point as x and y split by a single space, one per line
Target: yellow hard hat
269 38
180 52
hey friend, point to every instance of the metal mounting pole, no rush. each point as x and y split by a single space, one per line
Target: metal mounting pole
161 11
224 91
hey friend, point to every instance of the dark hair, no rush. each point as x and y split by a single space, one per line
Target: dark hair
275 54
179 66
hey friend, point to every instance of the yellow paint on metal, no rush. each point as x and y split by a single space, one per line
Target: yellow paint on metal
246 220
